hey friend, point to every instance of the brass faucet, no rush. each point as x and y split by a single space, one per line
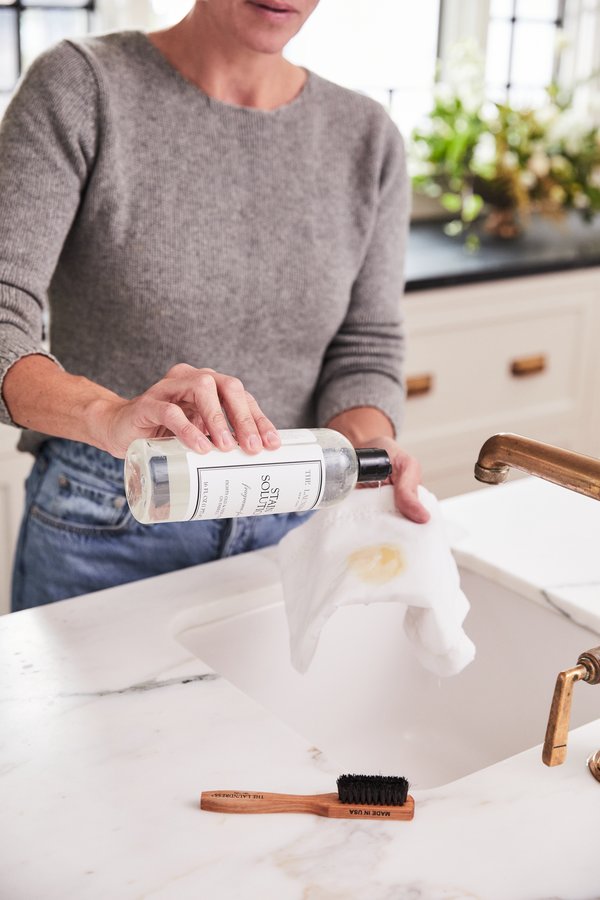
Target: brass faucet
578 473
571 470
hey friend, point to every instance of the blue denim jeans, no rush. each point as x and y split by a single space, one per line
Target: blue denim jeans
78 534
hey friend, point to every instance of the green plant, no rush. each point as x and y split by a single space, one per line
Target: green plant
472 152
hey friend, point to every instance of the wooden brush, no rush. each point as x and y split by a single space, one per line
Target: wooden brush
358 796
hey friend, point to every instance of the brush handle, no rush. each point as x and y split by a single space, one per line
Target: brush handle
316 804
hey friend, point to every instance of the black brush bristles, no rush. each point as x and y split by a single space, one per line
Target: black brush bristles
372 790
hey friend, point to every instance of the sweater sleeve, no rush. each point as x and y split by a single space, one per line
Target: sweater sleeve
362 365
47 148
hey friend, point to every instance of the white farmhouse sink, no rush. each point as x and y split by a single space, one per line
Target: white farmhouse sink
368 704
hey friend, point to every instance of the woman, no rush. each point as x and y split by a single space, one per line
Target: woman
190 203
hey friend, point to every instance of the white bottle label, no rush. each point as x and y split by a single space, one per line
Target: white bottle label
233 484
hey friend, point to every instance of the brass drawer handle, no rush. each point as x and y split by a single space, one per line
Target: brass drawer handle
528 365
419 385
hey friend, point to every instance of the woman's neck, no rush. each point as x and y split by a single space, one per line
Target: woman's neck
224 71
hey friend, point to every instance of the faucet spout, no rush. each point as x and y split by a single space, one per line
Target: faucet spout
504 451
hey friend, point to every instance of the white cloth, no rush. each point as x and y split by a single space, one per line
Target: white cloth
362 551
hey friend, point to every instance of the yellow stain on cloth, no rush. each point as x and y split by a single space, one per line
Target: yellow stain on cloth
377 564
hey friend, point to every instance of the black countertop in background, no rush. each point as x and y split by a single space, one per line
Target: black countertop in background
436 260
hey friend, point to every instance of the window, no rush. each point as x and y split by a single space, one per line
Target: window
27 27
383 48
580 59
166 12
523 49
388 49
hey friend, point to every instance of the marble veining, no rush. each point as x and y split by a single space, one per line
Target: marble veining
143 686
555 598
110 729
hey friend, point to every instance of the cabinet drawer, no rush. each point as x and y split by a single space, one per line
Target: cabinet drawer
493 372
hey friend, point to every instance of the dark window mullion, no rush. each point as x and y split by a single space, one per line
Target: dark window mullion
511 49
438 50
20 8
560 24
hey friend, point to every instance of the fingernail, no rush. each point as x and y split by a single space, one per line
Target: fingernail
253 442
227 438
272 438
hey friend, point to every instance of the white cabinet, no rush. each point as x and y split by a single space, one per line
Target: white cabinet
512 355
14 468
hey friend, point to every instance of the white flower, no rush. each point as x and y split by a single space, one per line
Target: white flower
443 92
594 179
539 164
489 113
419 167
581 201
547 114
465 74
484 153
510 160
527 179
570 128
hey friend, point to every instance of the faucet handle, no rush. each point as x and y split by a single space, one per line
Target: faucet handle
555 743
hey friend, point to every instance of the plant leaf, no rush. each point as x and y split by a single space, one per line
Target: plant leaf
453 228
471 207
451 202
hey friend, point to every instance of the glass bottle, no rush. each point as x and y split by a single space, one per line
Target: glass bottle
167 482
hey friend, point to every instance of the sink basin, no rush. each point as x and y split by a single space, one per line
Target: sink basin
368 704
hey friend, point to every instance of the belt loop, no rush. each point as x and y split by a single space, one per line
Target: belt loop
239 536
230 537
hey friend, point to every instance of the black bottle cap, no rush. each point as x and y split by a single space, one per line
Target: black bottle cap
373 464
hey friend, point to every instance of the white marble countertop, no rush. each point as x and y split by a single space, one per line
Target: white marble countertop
109 731
539 539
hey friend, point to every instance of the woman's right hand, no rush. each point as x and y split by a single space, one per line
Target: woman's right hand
201 407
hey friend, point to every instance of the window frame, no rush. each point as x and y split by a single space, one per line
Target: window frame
459 20
89 6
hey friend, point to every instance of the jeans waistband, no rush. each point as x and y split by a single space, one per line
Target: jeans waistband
86 458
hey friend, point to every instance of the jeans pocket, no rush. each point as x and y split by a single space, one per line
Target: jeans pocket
78 501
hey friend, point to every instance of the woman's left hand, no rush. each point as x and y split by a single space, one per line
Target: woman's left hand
405 477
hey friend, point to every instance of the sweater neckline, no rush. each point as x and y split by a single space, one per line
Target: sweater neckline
220 105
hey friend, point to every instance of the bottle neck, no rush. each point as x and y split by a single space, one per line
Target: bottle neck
373 465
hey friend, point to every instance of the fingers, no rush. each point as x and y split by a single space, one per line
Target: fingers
406 479
170 416
266 429
217 404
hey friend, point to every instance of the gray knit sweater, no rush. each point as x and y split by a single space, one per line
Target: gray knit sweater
159 226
